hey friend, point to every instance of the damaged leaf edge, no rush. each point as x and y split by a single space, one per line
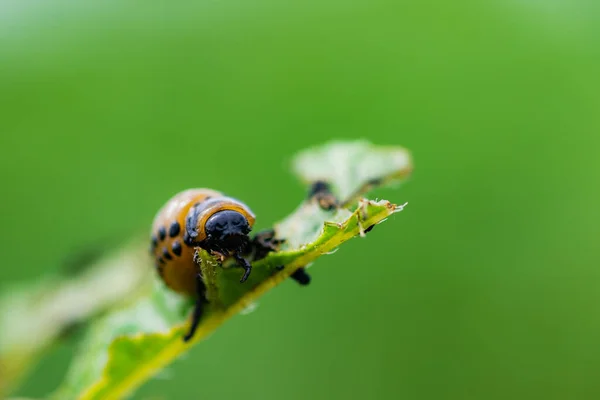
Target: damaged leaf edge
325 243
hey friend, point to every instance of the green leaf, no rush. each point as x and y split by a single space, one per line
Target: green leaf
128 347
35 316
353 168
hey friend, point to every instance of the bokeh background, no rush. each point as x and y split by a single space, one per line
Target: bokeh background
485 287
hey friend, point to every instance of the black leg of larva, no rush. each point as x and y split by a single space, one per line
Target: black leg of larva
198 311
198 308
369 229
301 276
242 262
263 243
321 192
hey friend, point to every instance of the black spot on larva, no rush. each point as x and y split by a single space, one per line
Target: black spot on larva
369 229
176 247
187 239
166 254
154 242
162 233
160 260
160 270
174 229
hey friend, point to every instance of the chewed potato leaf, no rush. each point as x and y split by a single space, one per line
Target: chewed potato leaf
353 168
128 347
150 316
33 317
136 358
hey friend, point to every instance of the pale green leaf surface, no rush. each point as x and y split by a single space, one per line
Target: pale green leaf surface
353 168
145 337
34 316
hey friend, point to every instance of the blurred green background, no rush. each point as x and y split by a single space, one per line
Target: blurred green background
485 287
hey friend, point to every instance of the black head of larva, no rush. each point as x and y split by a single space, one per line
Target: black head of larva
227 230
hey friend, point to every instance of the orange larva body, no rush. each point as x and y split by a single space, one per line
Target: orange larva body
172 246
